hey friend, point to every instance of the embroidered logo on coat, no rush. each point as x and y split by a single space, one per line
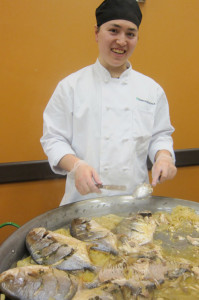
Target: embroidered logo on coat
146 101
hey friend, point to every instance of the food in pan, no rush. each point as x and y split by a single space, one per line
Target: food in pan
38 282
91 232
54 249
136 230
109 291
139 256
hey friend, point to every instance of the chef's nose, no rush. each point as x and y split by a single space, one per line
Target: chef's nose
121 40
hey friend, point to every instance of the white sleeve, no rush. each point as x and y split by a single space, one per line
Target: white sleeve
162 129
57 126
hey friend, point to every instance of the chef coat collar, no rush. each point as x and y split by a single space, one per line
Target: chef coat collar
106 76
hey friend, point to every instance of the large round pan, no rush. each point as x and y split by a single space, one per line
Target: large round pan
14 249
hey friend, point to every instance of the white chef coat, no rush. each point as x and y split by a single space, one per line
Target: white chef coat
111 123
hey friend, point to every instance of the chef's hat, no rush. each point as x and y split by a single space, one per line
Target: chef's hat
118 9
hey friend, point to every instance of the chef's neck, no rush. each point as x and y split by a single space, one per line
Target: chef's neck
115 72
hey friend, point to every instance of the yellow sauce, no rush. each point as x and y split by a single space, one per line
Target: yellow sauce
183 220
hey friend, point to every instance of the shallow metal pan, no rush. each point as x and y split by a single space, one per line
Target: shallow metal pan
13 249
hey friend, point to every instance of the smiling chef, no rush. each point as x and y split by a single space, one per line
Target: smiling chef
103 121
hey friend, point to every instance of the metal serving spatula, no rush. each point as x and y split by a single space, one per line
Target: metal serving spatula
143 190
111 187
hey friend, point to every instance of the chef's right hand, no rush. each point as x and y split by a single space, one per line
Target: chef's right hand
163 168
85 178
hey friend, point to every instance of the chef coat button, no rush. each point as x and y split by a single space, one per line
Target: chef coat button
106 79
107 137
107 108
124 82
125 169
127 108
125 140
105 168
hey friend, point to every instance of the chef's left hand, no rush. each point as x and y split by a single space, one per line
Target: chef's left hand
163 168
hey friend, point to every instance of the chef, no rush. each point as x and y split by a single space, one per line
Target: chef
103 121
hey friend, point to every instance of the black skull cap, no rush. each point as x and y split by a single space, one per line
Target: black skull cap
118 10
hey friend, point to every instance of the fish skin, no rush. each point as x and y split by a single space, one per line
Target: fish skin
177 273
144 269
105 292
138 277
143 275
193 241
62 252
137 230
109 273
91 232
37 283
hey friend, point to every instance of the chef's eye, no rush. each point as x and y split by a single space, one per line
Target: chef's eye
131 34
113 30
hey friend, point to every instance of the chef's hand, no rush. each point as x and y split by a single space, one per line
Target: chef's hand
163 168
85 178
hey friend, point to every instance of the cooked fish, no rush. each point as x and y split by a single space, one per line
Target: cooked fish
176 273
138 229
105 292
177 268
195 270
37 283
150 251
93 233
140 276
57 250
193 241
112 272
154 257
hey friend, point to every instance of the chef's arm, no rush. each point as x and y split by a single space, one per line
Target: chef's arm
163 167
67 162
84 175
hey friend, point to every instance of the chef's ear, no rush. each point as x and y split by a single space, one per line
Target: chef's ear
97 29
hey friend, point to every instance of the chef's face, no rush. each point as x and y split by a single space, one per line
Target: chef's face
116 40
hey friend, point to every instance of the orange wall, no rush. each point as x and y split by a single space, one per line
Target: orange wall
44 41
20 202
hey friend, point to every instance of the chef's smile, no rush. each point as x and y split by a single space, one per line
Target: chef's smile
116 40
118 51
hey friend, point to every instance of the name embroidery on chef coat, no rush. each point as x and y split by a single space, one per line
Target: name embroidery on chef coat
146 101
